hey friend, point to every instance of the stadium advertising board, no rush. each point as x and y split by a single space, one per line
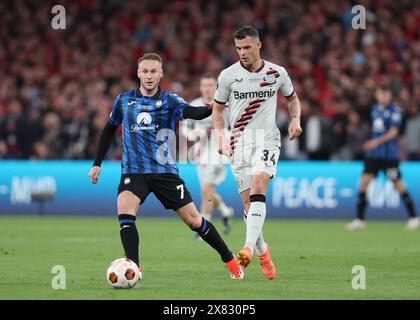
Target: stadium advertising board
300 190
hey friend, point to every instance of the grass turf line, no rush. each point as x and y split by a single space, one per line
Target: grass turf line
314 260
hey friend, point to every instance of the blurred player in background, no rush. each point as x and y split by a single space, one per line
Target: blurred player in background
210 164
148 115
250 87
382 154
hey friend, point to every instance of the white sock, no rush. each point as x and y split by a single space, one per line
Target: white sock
260 244
224 211
206 216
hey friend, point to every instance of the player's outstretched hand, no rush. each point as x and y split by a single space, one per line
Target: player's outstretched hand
94 174
294 129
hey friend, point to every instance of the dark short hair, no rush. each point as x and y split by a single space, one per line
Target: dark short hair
208 75
383 87
150 56
246 31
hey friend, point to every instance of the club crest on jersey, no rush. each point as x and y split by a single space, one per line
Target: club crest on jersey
158 103
270 77
144 121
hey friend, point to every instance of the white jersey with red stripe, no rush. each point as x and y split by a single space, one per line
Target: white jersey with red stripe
252 101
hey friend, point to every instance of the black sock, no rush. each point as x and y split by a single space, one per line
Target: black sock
409 204
129 236
361 206
209 234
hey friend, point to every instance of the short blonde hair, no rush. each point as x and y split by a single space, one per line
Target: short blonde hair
150 56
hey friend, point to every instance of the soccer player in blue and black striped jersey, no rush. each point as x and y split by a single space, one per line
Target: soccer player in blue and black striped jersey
382 155
148 116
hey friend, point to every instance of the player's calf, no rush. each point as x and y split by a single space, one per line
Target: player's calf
129 236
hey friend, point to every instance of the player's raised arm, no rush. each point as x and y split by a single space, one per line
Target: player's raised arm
293 104
219 125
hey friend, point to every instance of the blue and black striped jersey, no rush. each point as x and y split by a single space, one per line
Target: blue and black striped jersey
382 119
148 137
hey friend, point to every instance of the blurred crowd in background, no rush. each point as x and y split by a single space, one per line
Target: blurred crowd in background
57 86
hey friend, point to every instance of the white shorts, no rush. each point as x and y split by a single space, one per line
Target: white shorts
211 174
248 160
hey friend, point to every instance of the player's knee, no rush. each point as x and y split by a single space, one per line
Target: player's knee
207 192
127 208
259 183
194 222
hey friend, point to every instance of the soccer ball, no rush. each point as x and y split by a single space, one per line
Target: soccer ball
123 273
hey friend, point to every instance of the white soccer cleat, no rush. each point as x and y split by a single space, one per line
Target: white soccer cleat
356 224
413 223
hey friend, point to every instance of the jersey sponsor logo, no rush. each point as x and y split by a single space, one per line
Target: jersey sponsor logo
378 125
254 94
144 118
144 122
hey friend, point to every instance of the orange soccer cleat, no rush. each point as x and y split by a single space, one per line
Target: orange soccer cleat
267 266
245 256
236 270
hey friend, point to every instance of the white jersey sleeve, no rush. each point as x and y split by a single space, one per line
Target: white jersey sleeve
223 88
286 86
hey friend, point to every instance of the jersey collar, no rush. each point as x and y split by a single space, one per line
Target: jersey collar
249 70
155 96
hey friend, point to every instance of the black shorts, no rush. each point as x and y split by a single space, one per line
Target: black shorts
169 188
391 168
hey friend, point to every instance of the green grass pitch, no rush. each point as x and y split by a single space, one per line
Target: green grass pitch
314 260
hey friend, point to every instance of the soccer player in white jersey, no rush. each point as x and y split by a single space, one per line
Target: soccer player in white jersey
210 164
250 88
